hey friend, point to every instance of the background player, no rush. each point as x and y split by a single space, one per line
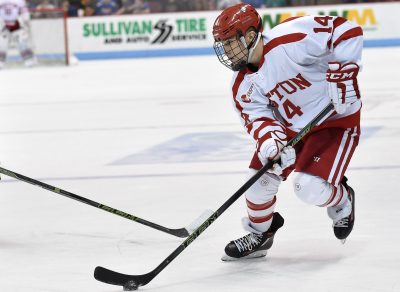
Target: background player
282 80
15 23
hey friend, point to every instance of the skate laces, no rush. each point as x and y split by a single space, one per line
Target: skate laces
342 222
248 242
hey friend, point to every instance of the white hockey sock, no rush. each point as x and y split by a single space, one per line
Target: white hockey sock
260 201
342 208
338 196
260 215
3 56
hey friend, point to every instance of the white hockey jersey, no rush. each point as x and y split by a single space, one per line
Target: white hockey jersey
12 11
291 78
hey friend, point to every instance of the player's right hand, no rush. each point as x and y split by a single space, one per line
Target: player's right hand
271 143
287 158
271 147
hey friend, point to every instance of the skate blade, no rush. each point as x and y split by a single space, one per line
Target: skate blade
343 241
254 255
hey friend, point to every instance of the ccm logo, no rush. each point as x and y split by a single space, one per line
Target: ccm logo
342 75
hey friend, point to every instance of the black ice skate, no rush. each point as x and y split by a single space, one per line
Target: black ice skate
253 245
344 226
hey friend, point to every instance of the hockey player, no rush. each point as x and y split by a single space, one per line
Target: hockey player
15 23
282 80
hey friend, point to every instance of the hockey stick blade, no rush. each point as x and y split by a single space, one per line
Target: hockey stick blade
184 232
133 282
181 232
197 223
128 282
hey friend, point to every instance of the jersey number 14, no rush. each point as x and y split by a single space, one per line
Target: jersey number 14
324 21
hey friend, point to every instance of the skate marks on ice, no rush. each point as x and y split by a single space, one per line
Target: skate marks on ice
205 147
194 147
291 265
319 263
81 129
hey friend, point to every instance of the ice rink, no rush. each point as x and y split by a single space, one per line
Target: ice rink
159 139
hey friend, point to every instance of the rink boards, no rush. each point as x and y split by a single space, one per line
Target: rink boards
190 33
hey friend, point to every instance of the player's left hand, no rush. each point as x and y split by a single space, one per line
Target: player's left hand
24 21
342 85
287 157
2 25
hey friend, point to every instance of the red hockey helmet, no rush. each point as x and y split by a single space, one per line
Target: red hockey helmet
229 32
237 19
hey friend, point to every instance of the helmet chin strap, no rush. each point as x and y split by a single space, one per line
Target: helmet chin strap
249 47
252 46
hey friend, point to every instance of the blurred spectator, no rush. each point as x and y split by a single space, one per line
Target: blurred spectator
301 2
186 5
276 3
255 3
109 7
155 6
70 9
106 7
222 4
212 5
170 6
201 5
134 7
327 2
76 3
88 7
45 4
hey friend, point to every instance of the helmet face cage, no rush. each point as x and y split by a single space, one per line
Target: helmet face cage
233 53
229 32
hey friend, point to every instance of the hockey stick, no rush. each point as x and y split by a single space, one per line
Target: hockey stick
133 282
180 232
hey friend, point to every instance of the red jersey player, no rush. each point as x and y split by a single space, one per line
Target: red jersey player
282 80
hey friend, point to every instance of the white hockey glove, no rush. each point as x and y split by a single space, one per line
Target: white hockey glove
3 29
342 85
288 158
272 149
24 21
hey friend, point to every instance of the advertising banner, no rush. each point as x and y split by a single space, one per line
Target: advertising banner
173 34
141 34
378 20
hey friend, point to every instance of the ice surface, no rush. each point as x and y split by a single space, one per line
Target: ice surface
127 133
